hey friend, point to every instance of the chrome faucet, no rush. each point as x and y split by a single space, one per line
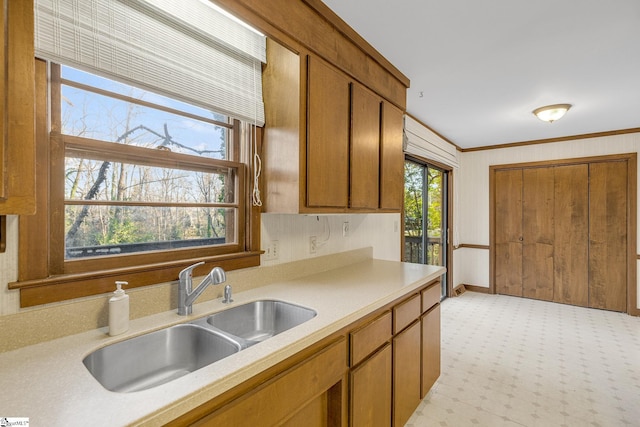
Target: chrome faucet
187 295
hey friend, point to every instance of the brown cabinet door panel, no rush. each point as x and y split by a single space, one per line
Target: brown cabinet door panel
327 136
571 278
365 147
406 374
371 391
508 232
608 235
538 233
430 349
391 158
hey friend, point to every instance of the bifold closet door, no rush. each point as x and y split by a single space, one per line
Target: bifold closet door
571 257
538 233
508 231
608 204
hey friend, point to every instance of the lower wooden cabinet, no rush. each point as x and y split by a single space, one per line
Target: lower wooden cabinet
371 373
430 325
406 373
311 390
371 391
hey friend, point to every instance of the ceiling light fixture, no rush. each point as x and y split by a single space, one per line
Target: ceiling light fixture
551 113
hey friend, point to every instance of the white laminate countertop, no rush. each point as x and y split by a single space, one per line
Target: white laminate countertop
48 383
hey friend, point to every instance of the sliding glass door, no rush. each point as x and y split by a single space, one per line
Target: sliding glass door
425 215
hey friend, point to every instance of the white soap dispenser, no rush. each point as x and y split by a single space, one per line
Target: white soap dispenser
119 310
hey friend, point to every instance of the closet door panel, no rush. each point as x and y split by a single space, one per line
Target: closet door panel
571 257
508 232
538 233
608 235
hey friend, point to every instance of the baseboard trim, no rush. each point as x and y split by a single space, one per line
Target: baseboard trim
479 289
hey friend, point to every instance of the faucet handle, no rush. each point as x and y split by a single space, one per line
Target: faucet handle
188 272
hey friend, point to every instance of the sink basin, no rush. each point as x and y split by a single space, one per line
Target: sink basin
256 321
158 357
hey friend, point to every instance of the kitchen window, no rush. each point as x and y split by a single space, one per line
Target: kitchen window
143 172
145 149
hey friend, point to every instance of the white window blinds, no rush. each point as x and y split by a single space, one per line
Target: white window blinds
184 49
423 142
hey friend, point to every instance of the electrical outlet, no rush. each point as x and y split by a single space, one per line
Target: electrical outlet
272 251
313 244
345 229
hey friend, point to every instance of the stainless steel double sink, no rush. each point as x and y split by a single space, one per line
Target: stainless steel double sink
161 356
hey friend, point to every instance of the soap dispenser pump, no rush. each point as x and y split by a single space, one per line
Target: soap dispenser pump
119 310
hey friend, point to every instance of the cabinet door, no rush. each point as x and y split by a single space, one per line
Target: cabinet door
430 349
365 147
571 251
508 232
327 136
391 158
371 391
310 390
608 235
17 129
406 374
538 233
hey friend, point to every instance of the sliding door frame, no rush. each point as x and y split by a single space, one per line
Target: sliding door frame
448 170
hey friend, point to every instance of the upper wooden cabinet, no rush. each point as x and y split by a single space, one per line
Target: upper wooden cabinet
365 148
391 158
338 149
17 123
327 137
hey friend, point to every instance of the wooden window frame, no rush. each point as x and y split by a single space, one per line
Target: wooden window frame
43 274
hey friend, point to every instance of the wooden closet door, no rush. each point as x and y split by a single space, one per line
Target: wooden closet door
508 231
571 257
608 235
538 233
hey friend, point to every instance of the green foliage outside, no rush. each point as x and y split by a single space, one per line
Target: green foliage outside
416 223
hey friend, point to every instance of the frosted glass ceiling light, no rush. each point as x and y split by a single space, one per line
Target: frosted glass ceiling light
551 113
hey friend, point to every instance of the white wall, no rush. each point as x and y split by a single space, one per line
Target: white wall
471 266
292 232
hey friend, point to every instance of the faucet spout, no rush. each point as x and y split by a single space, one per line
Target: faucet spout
187 295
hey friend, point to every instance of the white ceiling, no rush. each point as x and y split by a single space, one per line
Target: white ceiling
478 68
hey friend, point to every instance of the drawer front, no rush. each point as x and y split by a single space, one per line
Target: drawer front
405 313
366 339
430 296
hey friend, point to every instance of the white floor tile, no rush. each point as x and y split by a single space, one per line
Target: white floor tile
510 361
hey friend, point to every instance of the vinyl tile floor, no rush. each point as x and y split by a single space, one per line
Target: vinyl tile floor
509 361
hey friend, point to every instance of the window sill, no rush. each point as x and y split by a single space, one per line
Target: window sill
69 286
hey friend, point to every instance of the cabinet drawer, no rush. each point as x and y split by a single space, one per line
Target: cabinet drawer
431 296
405 313
366 339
